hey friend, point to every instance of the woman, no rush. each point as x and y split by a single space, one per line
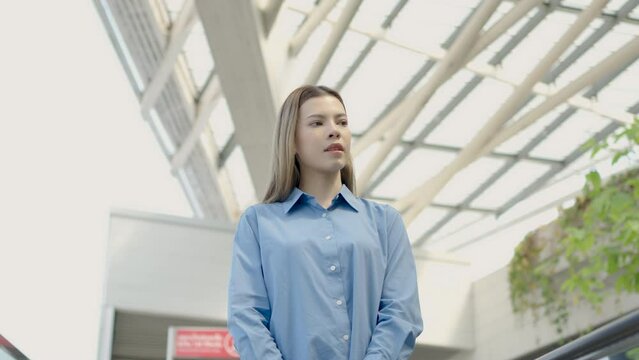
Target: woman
317 272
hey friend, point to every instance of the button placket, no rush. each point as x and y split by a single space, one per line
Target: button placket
336 292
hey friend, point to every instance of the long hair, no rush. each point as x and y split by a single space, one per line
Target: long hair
286 168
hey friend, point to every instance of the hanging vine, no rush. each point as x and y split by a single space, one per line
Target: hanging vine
591 251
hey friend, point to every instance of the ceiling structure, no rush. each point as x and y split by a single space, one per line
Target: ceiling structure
467 116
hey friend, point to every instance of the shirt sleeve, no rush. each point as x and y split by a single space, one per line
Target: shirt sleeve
399 320
249 309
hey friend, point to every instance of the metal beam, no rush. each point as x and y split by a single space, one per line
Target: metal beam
226 151
492 71
555 169
120 46
541 181
269 14
210 97
312 21
145 37
573 56
378 129
179 33
456 149
406 112
419 198
242 71
602 16
440 206
580 150
337 33
458 98
461 95
506 22
617 61
554 181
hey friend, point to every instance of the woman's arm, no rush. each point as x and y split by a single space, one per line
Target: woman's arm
399 320
249 310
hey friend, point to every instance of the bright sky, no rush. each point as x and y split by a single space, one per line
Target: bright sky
72 144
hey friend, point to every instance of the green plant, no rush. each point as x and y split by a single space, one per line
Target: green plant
633 354
591 247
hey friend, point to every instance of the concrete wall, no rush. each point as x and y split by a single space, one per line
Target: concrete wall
168 265
499 334
446 303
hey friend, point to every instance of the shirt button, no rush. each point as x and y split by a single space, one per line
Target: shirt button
324 215
333 267
339 302
328 237
345 337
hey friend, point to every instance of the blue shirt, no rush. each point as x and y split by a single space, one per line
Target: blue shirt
313 283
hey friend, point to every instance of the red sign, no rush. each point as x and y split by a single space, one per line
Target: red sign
204 343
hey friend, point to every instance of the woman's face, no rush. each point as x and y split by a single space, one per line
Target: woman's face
321 131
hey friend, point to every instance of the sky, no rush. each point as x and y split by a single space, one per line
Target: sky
73 145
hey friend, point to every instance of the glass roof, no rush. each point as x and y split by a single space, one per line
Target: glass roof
391 50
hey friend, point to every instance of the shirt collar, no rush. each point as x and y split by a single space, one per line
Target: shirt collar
345 192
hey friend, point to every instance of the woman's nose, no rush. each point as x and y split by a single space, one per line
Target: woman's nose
333 130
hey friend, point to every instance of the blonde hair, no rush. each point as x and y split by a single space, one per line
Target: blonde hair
286 168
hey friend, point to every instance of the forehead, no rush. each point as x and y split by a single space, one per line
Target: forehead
321 105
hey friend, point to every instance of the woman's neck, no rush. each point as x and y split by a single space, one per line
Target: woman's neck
322 187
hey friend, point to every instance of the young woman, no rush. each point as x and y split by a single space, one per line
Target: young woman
317 272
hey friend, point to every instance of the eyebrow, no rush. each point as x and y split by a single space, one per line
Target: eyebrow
323 116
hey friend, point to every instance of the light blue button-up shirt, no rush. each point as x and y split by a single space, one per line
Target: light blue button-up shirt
313 283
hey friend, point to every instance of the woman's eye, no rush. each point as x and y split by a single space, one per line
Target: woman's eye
345 123
314 123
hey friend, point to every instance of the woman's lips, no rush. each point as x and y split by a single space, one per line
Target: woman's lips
335 147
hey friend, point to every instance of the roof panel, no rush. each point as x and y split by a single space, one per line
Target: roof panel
623 91
386 69
347 51
309 53
527 54
389 159
614 5
362 160
221 123
426 25
242 184
372 13
198 56
507 186
459 221
437 102
468 180
424 221
501 10
469 117
516 143
611 42
570 135
405 178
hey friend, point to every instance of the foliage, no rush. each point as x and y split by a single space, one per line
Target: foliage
633 354
594 246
